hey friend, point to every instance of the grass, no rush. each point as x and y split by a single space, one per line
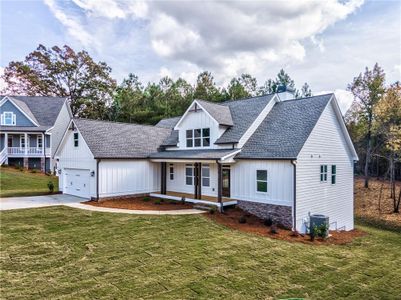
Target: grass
65 253
14 182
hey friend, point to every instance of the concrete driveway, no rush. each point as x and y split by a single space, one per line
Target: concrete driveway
38 201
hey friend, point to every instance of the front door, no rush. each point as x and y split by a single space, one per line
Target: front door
226 181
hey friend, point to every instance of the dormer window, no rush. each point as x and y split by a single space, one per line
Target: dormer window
199 137
8 118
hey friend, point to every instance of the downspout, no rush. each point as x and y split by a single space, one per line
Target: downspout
97 179
294 205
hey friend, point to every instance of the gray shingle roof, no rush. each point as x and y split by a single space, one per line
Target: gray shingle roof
121 140
209 154
286 128
171 140
168 123
219 112
44 110
243 112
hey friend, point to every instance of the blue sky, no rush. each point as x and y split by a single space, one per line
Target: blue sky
324 43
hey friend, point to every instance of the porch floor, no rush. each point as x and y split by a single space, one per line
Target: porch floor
191 198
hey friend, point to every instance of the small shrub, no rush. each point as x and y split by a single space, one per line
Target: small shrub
274 229
50 185
20 168
212 210
242 219
158 202
268 222
34 171
146 199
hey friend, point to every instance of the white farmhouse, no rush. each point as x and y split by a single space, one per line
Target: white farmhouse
274 156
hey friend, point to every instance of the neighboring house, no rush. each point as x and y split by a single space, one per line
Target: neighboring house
274 156
31 129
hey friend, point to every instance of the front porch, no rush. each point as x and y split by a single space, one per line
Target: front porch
208 200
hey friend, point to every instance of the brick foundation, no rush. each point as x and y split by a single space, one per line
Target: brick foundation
280 214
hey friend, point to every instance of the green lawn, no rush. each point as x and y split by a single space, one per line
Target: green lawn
66 253
14 182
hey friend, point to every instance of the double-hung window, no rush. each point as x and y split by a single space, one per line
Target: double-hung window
323 173
171 172
75 139
8 118
39 142
199 137
205 175
189 174
261 181
333 174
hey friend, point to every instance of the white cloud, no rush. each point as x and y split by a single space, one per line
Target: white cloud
226 38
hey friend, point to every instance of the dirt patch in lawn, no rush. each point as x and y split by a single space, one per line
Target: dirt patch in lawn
231 218
141 203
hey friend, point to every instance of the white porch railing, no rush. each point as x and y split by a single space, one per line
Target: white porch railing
30 151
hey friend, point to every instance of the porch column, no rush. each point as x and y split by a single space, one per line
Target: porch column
43 159
163 182
220 185
196 180
26 143
6 147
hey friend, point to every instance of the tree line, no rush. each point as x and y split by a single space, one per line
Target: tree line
94 94
374 119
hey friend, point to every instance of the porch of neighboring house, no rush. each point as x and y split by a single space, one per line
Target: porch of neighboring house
199 182
28 150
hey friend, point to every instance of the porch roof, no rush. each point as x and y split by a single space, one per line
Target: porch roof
23 128
201 154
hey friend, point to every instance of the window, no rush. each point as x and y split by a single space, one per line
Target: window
323 173
39 142
22 141
189 174
8 118
171 172
333 174
75 139
261 181
199 137
206 137
205 175
189 138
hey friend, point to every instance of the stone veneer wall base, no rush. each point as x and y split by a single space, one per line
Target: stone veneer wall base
280 214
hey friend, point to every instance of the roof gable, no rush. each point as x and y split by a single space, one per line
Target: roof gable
24 114
286 128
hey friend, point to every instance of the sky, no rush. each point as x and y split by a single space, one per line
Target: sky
324 43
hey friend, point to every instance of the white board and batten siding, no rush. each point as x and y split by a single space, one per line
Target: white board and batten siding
128 177
76 161
196 120
279 181
325 146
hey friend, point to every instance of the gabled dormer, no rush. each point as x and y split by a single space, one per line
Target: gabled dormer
202 124
14 112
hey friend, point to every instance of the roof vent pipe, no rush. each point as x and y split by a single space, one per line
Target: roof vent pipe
285 92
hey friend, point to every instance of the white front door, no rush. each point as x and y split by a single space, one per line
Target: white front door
76 182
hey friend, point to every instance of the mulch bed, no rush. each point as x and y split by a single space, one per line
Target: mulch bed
255 225
141 203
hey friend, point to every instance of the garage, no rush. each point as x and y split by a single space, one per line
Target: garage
76 182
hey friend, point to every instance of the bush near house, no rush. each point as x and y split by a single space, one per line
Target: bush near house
17 182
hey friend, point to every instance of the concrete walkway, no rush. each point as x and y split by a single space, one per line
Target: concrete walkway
75 202
135 212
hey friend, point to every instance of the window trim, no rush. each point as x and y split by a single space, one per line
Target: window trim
258 180
323 173
189 166
205 166
37 142
171 171
76 139
334 174
13 118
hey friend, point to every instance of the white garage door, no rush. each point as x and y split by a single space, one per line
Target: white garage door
76 182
